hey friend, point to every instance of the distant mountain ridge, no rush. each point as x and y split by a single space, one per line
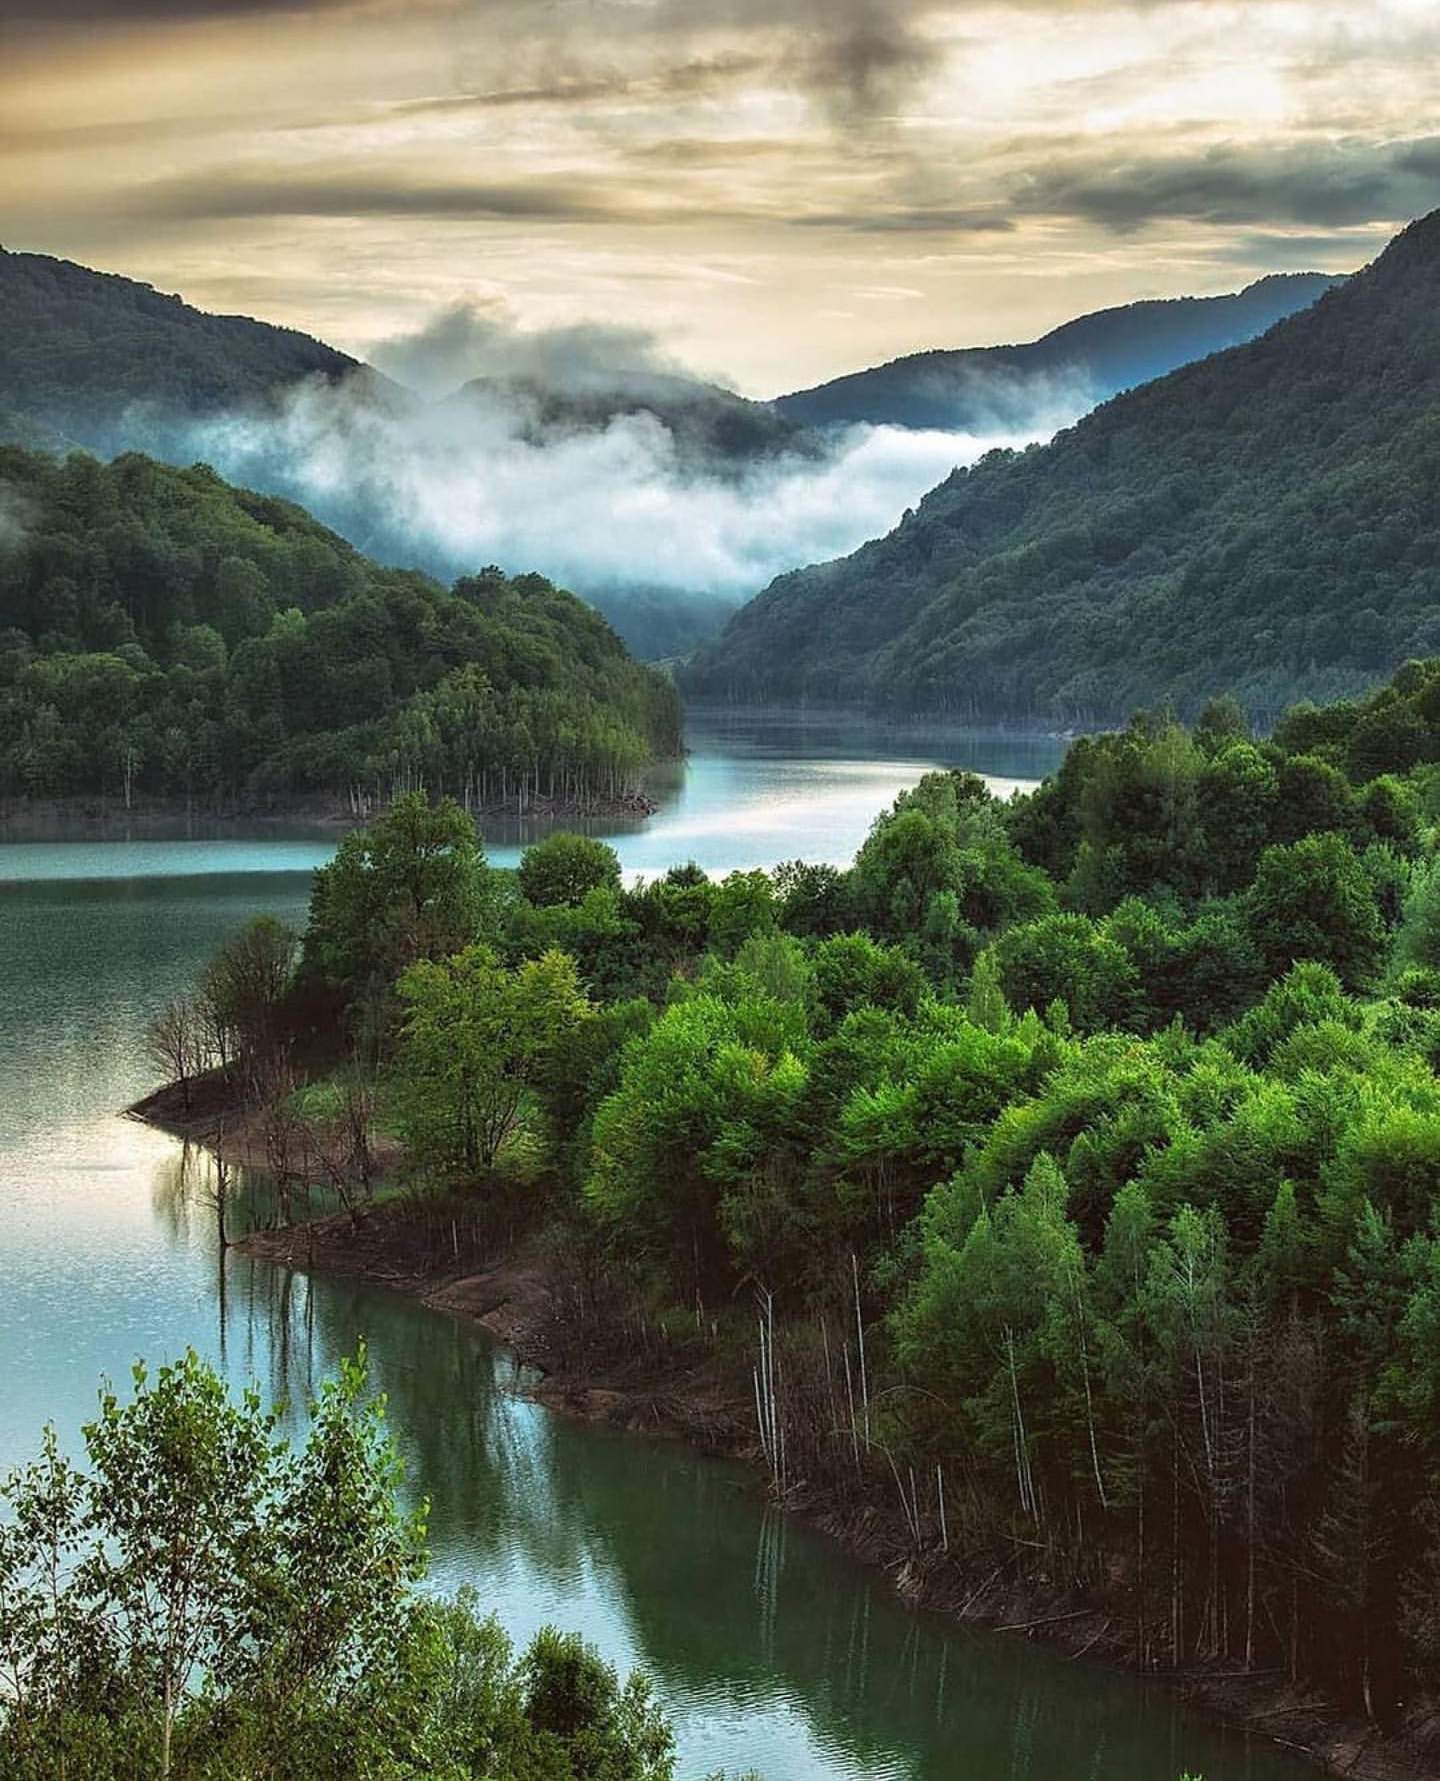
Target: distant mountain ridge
996 389
103 362
1265 521
108 364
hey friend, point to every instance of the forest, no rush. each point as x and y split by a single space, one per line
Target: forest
1260 523
166 636
1081 1153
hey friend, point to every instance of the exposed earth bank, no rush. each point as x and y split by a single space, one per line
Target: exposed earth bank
521 1295
102 818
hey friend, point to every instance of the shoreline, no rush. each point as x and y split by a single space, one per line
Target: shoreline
101 818
514 1298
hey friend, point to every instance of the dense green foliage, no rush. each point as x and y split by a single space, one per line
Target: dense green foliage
1003 389
201 1600
1085 1148
83 351
408 887
1263 522
163 633
477 1039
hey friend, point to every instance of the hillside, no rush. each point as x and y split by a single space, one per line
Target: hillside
712 427
93 360
166 635
1263 521
994 389
94 356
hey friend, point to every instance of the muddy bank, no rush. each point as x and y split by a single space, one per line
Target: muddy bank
94 817
210 1111
525 1295
517 1299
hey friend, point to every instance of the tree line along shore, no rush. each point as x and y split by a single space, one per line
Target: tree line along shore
1057 1184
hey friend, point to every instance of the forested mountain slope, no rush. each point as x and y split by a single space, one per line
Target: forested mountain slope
163 633
80 351
1264 521
990 389
110 365
712 427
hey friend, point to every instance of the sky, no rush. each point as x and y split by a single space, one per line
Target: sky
767 191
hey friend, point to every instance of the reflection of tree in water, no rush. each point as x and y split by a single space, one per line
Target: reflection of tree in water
728 1599
733 1608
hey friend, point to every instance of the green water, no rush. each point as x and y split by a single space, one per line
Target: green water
771 1649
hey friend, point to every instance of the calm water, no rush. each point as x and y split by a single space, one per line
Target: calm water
755 788
771 1649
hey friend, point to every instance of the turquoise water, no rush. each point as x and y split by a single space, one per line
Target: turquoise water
771 1649
754 788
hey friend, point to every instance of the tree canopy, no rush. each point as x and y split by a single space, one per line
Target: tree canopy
197 1599
165 634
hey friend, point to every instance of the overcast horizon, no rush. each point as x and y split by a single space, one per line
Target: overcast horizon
767 202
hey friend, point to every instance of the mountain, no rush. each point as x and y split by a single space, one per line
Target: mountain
99 360
1263 522
92 360
164 634
713 428
1000 389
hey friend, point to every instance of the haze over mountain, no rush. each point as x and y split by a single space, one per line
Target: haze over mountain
584 452
1263 522
1084 362
708 423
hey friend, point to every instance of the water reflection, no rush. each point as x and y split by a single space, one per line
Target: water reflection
771 1650
769 1647
755 788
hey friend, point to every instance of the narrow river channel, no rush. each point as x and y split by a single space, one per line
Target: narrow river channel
772 1651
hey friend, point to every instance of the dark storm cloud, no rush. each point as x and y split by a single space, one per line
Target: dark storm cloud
1334 185
380 192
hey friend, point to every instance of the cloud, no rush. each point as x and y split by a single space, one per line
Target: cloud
1300 250
380 191
918 219
682 80
121 13
611 507
471 339
1336 184
855 57
862 55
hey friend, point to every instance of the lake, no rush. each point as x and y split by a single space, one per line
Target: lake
771 1649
